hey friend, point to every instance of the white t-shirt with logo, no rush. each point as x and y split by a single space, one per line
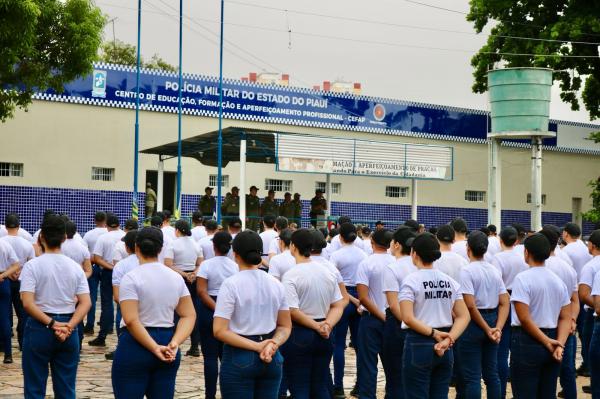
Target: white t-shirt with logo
509 263
23 248
579 254
433 294
8 257
564 271
75 250
311 288
157 289
91 237
105 245
198 233
347 259
267 237
184 251
484 282
55 281
251 301
395 273
543 292
123 267
322 260
460 247
370 273
451 264
215 271
281 264
207 247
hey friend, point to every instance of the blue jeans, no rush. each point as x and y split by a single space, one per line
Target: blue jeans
533 371
307 357
595 365
425 375
212 350
503 351
350 319
245 376
137 372
393 347
107 309
478 356
586 336
40 349
15 287
5 317
568 374
118 318
93 282
370 342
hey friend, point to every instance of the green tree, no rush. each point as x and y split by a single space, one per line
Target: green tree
44 44
593 215
118 52
568 27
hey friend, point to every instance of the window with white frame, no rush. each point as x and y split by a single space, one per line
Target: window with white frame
11 169
336 188
396 191
212 180
278 185
474 196
103 174
543 199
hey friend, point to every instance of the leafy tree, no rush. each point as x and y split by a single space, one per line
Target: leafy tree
44 44
593 215
118 52
568 27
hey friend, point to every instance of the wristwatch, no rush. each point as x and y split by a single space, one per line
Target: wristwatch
49 325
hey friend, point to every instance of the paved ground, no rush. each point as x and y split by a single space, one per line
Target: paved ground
94 375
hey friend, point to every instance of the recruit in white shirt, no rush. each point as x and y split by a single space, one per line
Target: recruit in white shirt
198 233
215 271
589 271
168 232
433 294
395 273
450 263
543 292
91 237
55 280
157 289
207 247
120 251
267 237
184 252
460 247
123 267
23 248
251 301
347 259
281 264
322 260
105 245
579 254
75 250
311 288
8 257
484 282
596 287
564 271
509 263
336 244
370 273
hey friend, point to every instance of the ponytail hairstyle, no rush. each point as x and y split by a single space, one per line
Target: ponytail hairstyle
319 242
222 243
303 240
427 247
348 233
149 241
249 247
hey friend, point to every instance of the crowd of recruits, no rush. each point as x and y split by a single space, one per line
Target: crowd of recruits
399 300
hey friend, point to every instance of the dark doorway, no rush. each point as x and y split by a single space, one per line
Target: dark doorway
169 180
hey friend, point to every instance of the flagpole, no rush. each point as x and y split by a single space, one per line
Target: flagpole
220 140
134 207
178 200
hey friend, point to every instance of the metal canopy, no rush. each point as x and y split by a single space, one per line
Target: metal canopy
260 146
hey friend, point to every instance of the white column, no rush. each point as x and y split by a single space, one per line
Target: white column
414 202
536 183
328 194
494 183
160 187
243 181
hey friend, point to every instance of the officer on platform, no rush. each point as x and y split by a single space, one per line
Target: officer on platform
150 201
318 206
207 204
231 206
253 209
287 207
297 209
269 205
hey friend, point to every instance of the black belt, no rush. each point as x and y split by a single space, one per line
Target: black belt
294 324
53 315
509 292
544 330
259 338
152 328
487 311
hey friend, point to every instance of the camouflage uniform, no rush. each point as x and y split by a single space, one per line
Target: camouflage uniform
253 212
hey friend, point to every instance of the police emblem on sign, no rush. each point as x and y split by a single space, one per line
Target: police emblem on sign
99 84
379 112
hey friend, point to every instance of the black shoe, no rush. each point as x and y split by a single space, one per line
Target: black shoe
338 393
194 352
561 394
583 371
109 355
354 391
586 389
88 331
97 342
8 359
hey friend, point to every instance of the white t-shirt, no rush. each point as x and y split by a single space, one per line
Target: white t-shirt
509 263
76 237
184 252
451 264
460 247
267 237
120 251
543 292
281 264
168 232
8 257
198 233
366 245
55 280
274 247
23 248
589 271
105 245
433 294
564 271
336 244
123 267
21 233
558 251
157 289
395 273
596 287
311 288
579 254
347 259
494 246
91 237
251 301
215 271
75 250
370 273
207 247
484 282
322 260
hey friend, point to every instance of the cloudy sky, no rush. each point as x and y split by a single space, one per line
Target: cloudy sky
399 49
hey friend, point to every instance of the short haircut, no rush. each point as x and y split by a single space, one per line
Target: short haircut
53 231
281 223
166 214
129 240
197 217
304 241
573 230
344 219
552 237
100 217
492 228
286 237
269 221
459 225
211 225
70 229
538 247
509 236
478 243
485 231
12 220
156 221
413 224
